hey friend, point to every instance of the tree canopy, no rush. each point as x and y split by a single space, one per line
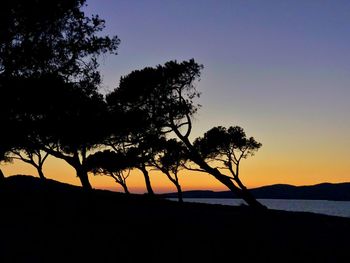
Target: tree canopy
49 76
114 164
170 159
160 97
40 36
227 147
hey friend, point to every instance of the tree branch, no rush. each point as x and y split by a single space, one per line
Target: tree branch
193 169
45 156
189 129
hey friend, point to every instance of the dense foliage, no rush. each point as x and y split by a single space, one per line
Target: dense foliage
49 79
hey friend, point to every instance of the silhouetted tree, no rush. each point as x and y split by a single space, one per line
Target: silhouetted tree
39 36
34 157
142 150
66 124
131 130
165 96
158 98
170 160
53 42
74 128
227 147
114 164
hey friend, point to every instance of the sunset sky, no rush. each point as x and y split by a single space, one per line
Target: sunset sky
279 69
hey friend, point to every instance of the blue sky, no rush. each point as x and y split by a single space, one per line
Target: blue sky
271 60
280 69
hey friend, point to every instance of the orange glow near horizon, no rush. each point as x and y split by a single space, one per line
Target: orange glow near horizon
262 169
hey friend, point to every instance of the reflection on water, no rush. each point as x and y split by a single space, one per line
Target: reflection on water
334 208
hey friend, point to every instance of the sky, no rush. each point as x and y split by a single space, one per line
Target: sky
279 69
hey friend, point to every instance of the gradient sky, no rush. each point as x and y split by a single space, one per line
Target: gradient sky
279 69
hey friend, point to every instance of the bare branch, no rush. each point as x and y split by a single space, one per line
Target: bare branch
193 169
127 175
45 156
182 124
189 129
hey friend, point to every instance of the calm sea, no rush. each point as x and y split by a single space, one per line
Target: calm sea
334 208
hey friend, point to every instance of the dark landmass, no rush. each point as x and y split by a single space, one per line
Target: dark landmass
55 222
325 191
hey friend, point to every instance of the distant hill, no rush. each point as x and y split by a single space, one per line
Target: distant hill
324 191
24 183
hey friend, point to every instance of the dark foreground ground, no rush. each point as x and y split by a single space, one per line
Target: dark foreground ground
59 223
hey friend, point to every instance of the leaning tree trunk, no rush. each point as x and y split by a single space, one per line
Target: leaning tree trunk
84 178
147 180
241 193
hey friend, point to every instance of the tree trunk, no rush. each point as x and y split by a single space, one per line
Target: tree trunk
74 161
40 173
2 177
179 192
126 190
242 193
246 192
84 178
147 180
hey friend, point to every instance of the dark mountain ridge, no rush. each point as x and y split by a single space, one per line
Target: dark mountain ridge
324 191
